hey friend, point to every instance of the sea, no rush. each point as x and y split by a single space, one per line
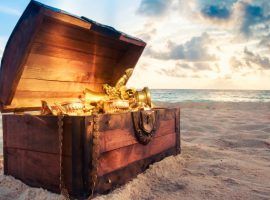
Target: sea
194 95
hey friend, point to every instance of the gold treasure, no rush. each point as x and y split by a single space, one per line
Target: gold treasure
114 99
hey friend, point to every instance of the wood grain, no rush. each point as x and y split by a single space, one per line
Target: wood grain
30 88
53 86
119 158
59 28
61 69
132 41
67 18
54 51
26 94
129 58
78 130
34 168
77 45
31 91
113 180
33 104
35 133
123 120
118 138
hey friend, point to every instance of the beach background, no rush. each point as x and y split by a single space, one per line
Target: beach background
225 137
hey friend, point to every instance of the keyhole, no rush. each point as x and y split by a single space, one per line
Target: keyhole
147 119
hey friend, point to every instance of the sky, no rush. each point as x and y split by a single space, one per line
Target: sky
194 44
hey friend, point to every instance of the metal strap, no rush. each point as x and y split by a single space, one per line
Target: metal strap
95 154
62 187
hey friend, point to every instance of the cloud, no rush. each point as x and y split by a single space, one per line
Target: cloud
198 66
255 17
195 67
153 7
265 41
173 72
195 49
186 70
176 72
208 12
260 61
236 64
250 18
149 30
217 12
9 11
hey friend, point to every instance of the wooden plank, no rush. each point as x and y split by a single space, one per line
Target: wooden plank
165 113
88 147
34 168
52 68
129 58
11 109
119 138
67 18
37 169
77 155
77 45
132 40
54 27
26 94
121 176
68 153
4 129
49 87
56 86
54 51
34 104
35 133
123 120
116 159
32 133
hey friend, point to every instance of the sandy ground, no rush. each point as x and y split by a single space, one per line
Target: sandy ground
225 155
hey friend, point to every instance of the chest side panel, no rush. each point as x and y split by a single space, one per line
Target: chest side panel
121 155
31 150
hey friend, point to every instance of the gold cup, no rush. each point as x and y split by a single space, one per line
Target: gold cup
143 97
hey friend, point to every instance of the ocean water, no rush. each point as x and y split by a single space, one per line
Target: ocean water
183 95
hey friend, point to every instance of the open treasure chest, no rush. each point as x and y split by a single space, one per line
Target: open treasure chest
70 123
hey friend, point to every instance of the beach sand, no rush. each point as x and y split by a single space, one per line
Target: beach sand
225 155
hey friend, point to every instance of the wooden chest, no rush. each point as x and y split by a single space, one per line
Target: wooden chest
52 55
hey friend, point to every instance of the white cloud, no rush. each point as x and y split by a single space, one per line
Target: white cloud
9 11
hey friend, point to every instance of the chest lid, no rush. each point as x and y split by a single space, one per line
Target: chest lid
52 55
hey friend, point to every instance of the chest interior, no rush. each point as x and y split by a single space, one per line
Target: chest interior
53 56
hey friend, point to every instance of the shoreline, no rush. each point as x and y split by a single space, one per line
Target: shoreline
216 104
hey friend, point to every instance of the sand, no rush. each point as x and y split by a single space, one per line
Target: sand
225 155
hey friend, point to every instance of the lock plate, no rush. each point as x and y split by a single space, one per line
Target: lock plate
145 125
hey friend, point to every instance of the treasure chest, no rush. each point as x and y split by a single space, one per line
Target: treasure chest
53 56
